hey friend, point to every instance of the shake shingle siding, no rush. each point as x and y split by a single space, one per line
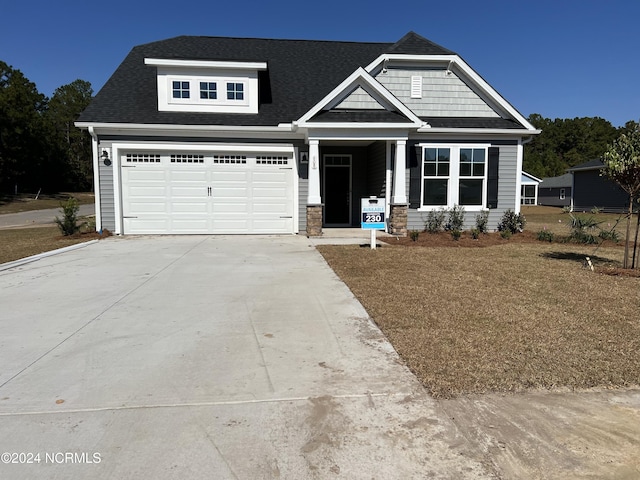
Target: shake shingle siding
443 95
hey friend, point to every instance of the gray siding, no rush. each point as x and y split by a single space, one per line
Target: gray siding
591 190
551 196
506 192
107 206
359 98
443 95
303 192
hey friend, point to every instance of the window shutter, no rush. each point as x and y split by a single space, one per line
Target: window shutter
492 177
415 180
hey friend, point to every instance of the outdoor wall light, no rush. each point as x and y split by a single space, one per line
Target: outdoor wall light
304 157
105 158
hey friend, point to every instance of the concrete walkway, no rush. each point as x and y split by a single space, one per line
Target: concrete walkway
39 217
208 357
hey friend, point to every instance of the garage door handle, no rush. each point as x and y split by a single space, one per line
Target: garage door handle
128 217
287 217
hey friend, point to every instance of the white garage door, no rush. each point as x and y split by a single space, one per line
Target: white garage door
207 193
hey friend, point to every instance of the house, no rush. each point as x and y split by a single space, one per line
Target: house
529 189
591 190
555 191
243 135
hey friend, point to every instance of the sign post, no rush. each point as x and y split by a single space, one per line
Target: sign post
372 217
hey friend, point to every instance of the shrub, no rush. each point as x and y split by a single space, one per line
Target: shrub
545 236
566 209
482 221
455 234
596 210
69 223
435 221
475 233
511 221
414 234
506 234
609 235
582 228
456 218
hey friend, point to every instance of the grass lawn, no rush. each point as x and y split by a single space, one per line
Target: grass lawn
552 219
513 316
23 242
27 202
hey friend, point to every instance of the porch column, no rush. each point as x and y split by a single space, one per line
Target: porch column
400 174
313 197
399 207
314 201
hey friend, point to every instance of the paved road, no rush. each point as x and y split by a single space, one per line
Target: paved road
39 217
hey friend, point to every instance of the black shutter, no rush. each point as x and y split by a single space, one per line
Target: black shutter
492 180
415 177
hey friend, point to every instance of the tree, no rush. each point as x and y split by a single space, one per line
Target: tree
71 145
622 165
22 144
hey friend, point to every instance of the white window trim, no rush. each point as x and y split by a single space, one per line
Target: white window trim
454 177
166 102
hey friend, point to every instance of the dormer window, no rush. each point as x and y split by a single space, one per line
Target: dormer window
235 91
180 89
208 90
207 86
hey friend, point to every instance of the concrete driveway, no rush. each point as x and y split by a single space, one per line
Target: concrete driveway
207 357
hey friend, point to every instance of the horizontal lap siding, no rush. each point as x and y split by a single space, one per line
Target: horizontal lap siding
107 208
443 95
303 192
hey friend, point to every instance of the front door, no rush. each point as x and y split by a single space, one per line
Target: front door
337 190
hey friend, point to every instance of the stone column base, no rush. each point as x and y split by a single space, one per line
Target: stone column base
314 220
398 219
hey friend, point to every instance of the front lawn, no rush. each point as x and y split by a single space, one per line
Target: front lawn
504 318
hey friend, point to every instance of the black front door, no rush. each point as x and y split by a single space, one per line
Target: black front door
337 194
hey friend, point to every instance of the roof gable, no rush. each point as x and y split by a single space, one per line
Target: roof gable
414 44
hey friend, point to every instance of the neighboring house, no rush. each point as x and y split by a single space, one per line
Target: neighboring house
243 135
529 189
590 189
555 191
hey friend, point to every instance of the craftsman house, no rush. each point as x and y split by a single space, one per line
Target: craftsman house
243 135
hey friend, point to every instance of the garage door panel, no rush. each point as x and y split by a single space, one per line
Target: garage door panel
208 197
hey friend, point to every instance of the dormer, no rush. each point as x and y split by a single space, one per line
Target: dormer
207 86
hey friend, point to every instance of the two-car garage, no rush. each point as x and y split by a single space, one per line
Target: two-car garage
166 190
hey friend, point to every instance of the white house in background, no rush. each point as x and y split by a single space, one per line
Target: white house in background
243 135
529 189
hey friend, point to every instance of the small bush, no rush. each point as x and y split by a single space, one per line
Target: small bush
566 209
506 234
596 210
482 221
611 235
511 221
455 234
582 228
475 233
435 221
69 223
545 236
414 234
456 218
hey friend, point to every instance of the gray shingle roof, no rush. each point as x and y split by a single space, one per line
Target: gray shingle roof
595 164
561 181
360 115
471 122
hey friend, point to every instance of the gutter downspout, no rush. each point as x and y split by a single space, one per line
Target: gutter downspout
96 177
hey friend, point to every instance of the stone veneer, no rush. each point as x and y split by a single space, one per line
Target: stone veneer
314 220
398 219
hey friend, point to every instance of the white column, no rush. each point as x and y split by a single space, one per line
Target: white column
313 198
400 174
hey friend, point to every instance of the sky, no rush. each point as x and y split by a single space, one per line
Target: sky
560 59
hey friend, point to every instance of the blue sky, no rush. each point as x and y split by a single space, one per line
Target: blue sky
561 59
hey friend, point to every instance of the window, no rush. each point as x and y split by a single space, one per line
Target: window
454 175
562 194
235 91
528 195
437 162
180 89
472 168
208 90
